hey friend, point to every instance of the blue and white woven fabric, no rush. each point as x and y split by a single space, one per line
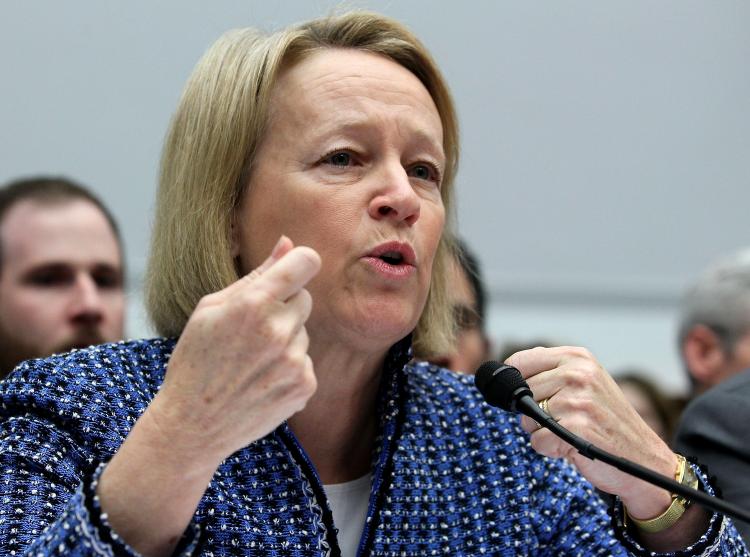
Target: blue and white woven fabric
451 476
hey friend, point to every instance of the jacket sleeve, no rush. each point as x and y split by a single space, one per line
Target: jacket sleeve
576 521
51 456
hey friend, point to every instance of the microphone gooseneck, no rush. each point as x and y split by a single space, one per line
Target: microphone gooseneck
503 386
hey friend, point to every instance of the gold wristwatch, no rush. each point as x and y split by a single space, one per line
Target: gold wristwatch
685 475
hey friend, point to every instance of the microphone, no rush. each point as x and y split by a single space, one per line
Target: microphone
503 386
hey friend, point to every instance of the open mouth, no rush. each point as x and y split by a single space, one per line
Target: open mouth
394 253
392 258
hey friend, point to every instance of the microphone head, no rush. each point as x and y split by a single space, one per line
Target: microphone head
499 384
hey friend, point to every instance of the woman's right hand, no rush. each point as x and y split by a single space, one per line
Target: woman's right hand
239 369
241 366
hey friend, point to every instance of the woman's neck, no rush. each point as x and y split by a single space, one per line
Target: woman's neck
337 428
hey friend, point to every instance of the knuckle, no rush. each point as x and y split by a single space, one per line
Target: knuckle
292 360
512 360
275 336
205 301
579 352
581 405
537 442
578 423
286 276
255 299
304 337
307 302
528 425
583 375
308 385
559 450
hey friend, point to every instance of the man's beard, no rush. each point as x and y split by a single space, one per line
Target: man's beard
82 338
13 350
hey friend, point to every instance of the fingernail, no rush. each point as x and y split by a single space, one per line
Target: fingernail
276 251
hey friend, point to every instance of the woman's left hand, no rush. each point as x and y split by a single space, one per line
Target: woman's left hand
585 399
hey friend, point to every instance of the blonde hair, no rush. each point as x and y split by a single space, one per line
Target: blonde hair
210 147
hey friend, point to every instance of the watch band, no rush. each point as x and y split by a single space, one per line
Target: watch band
685 475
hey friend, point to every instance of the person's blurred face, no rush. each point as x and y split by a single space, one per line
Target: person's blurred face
740 358
350 166
472 345
708 359
645 408
60 280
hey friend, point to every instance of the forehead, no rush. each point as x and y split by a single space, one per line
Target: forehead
35 232
339 84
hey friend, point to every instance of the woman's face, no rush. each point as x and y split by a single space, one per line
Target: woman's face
351 166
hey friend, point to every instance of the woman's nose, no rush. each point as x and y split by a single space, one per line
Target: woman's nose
395 199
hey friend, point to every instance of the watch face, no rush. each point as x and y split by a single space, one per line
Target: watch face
690 478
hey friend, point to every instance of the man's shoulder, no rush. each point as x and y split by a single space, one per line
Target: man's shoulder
725 396
717 417
739 382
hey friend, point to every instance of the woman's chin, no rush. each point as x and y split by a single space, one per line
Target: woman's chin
376 328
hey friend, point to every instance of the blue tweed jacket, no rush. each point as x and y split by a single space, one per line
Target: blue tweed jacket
451 476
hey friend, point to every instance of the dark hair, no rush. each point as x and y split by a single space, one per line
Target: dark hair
472 270
51 190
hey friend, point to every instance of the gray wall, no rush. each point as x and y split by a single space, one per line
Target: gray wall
605 144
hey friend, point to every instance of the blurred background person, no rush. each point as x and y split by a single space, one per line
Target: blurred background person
715 343
657 408
469 300
714 332
61 270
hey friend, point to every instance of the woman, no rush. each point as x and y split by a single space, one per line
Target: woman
317 165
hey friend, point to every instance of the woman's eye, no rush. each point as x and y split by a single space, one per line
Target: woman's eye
425 172
339 159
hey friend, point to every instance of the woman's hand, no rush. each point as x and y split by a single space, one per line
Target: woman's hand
239 369
583 397
241 366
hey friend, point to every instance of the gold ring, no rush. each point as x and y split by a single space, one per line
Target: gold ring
544 405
